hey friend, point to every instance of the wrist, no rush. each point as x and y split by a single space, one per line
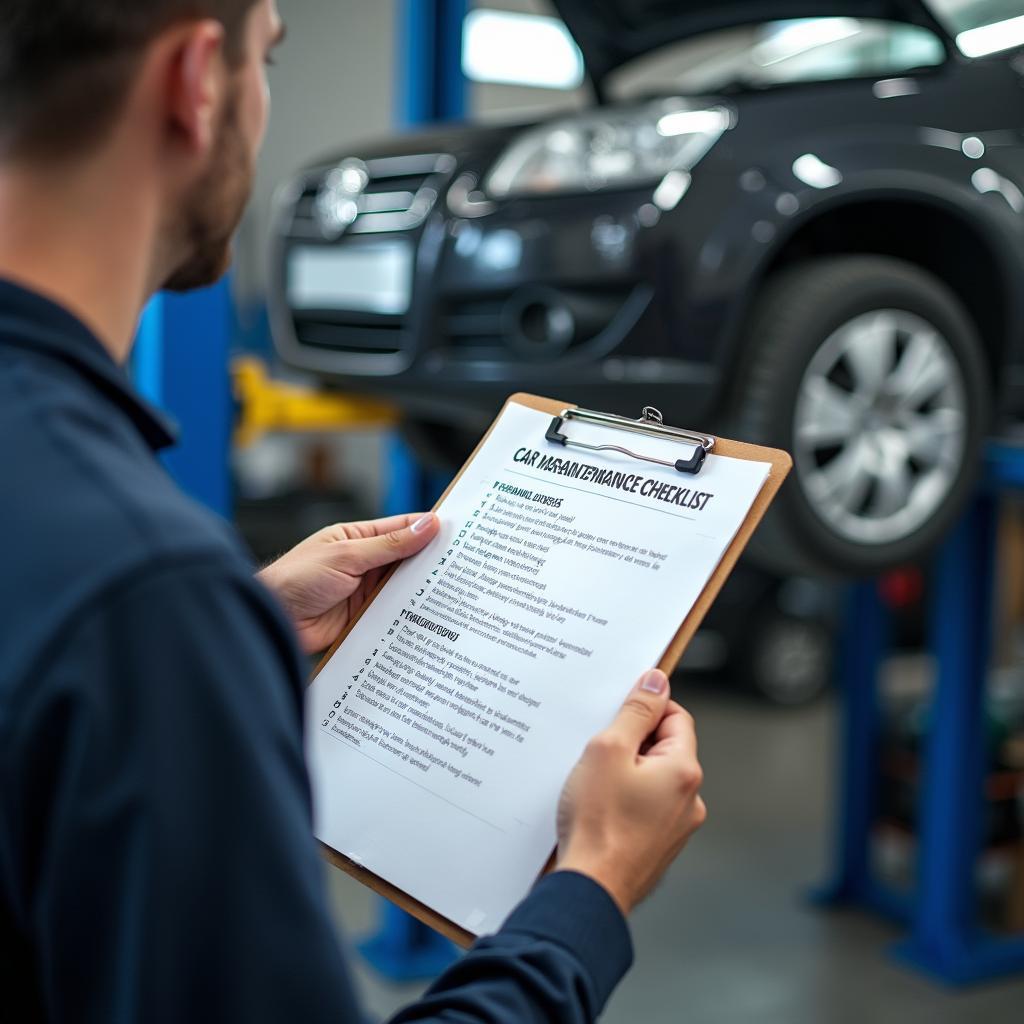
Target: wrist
602 872
278 580
266 575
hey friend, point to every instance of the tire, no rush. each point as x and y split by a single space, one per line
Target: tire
788 660
885 453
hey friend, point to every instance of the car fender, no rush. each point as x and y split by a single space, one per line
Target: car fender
771 205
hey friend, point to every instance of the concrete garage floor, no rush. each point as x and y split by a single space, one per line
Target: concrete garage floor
727 938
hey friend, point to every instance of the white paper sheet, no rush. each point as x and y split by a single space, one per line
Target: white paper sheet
442 730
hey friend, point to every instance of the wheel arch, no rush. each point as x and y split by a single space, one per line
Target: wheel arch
971 257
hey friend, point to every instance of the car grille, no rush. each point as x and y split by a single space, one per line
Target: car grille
399 194
474 329
379 337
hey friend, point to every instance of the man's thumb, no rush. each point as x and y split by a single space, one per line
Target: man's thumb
644 708
372 552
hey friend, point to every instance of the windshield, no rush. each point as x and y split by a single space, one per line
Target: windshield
778 53
819 49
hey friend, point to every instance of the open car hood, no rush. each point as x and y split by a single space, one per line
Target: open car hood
612 32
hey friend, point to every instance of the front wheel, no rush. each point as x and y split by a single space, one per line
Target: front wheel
869 371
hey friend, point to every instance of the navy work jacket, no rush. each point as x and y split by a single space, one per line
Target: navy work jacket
156 856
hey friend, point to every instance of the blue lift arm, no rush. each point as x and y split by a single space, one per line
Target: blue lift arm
180 364
946 938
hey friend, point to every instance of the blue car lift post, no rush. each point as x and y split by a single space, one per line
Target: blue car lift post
180 364
431 88
946 939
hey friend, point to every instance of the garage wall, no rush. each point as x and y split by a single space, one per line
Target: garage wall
333 83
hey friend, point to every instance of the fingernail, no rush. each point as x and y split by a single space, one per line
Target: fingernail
654 681
422 523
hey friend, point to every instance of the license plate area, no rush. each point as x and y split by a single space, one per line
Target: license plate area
364 276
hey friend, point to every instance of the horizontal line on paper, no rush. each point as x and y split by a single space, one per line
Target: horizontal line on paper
597 494
405 778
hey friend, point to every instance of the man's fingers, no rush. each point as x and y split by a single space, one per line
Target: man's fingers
360 556
675 733
380 527
643 710
676 720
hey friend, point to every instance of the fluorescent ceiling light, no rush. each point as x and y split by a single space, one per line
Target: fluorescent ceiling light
1002 35
520 49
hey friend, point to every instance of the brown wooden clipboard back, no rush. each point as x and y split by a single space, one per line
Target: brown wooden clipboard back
781 464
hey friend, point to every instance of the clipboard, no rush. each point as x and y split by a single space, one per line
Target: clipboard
559 433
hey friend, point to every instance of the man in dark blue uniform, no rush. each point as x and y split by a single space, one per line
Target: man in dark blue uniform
156 859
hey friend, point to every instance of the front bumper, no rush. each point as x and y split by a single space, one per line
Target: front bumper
575 297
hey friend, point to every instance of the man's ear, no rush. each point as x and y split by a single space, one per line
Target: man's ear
196 83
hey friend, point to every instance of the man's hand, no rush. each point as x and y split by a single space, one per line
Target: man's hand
325 580
632 801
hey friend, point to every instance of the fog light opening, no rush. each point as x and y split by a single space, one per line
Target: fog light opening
541 324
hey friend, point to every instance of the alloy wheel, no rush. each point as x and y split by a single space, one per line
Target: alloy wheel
880 426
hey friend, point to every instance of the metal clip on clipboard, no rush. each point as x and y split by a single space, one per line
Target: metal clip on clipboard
650 423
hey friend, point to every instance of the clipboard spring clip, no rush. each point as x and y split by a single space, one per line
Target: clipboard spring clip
650 423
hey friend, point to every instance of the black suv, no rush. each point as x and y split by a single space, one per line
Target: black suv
788 222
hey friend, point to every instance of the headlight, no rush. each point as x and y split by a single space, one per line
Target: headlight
608 149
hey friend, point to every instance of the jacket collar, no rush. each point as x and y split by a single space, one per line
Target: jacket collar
30 321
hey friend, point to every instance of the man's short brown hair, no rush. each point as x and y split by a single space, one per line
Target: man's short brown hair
66 65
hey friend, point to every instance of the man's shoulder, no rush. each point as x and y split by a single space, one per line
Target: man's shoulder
86 504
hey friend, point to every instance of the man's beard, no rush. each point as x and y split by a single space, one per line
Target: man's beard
212 209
